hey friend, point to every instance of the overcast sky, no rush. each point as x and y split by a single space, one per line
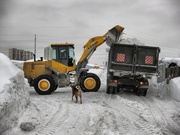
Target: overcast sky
153 22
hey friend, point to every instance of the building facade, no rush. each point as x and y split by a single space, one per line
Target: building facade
21 55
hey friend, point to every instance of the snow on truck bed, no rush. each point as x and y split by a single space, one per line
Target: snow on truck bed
100 114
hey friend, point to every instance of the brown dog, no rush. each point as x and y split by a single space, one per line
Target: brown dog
76 91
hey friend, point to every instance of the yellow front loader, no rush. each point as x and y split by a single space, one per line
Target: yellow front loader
60 69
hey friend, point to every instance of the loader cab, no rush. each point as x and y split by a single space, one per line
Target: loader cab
63 53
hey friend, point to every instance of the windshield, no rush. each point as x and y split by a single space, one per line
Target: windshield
63 54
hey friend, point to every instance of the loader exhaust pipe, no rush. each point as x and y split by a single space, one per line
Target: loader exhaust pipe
114 34
34 57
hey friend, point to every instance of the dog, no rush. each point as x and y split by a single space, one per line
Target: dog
76 91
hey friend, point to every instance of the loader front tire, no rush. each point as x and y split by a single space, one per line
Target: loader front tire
90 82
44 85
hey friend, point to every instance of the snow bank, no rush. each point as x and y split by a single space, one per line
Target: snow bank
163 89
14 96
174 87
18 64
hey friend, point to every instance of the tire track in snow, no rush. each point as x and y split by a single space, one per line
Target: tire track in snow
162 118
101 121
43 113
107 124
51 127
107 120
138 112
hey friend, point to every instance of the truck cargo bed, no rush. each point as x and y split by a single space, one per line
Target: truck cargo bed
133 58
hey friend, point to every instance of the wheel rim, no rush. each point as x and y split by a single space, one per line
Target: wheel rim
44 84
90 83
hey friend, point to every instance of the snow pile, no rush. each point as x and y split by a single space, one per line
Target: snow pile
18 64
159 90
163 89
130 41
174 88
14 96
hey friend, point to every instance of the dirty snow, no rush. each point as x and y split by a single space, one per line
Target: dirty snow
101 114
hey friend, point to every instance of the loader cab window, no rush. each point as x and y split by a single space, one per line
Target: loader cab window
71 56
63 54
53 53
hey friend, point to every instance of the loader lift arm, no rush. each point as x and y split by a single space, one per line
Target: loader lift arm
111 36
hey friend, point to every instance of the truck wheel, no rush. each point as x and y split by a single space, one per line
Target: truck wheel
118 89
113 90
137 91
44 85
108 90
90 83
144 92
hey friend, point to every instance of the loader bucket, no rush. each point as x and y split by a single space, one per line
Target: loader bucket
114 34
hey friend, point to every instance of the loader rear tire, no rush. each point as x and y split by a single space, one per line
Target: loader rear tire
55 87
44 85
90 83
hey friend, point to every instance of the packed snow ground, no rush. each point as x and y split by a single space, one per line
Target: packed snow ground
100 114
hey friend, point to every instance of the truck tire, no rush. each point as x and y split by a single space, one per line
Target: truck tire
144 92
140 91
44 85
111 90
108 90
137 91
90 82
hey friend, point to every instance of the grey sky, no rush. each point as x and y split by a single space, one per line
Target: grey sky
154 22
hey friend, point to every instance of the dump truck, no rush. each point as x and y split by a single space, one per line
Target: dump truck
130 66
59 69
